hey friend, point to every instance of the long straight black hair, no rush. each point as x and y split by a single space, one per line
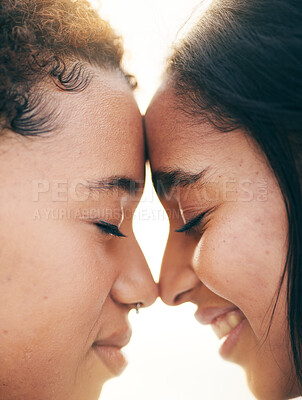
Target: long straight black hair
241 66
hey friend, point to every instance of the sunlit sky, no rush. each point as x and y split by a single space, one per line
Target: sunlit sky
171 356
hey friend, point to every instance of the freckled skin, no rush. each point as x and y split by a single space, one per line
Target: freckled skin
239 257
63 282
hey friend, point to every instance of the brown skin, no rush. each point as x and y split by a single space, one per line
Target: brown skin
63 282
235 258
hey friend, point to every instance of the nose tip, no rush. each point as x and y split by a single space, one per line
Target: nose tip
132 290
179 298
177 289
150 295
144 289
135 283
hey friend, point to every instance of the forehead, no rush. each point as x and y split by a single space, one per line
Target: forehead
175 139
105 127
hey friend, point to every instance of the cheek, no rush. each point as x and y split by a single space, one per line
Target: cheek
53 284
241 259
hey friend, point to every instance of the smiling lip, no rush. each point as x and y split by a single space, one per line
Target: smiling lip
207 316
109 351
226 323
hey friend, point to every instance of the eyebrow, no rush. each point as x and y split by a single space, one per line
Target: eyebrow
114 183
166 180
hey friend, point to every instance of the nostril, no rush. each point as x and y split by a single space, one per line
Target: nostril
180 297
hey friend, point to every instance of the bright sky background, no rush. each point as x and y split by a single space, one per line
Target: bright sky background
171 356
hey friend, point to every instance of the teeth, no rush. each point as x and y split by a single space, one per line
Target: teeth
234 319
221 329
225 324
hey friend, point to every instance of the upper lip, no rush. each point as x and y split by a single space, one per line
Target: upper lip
208 315
117 339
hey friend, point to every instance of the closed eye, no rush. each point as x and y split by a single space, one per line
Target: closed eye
191 224
109 229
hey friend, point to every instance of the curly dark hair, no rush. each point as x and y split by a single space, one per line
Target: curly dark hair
48 39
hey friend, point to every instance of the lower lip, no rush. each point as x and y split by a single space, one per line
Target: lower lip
231 340
112 357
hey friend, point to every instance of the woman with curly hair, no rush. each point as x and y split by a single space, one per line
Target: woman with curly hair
72 172
225 143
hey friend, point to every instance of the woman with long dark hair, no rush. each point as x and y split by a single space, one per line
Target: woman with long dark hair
224 136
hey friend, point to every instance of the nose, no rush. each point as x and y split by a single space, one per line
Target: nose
134 283
177 277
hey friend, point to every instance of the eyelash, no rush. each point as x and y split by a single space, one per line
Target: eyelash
109 229
190 227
